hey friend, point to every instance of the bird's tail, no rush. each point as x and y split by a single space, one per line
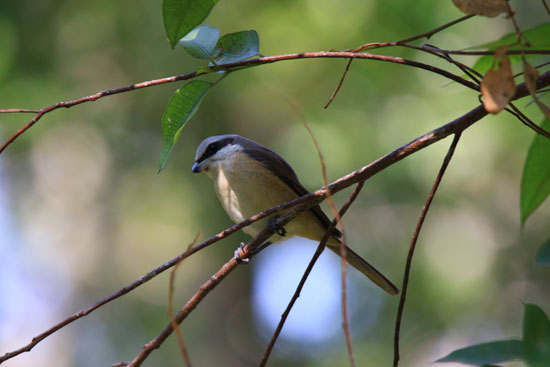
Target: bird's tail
364 267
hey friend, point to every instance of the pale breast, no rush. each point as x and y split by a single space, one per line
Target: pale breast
245 187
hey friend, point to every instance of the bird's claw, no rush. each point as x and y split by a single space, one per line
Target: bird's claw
238 257
272 224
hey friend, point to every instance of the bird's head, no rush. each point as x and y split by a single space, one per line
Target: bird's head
214 150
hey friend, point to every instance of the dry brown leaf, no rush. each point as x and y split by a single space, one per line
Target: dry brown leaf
544 108
531 75
497 86
488 8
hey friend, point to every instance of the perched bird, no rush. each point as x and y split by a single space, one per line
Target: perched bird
249 178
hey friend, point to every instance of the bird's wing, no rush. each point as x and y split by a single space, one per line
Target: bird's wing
282 169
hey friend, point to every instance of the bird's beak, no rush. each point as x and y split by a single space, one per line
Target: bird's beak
196 167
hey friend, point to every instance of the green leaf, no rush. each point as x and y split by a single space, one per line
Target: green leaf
535 180
486 353
181 16
538 37
237 46
536 336
201 42
182 106
543 254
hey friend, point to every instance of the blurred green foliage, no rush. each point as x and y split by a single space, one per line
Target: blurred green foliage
89 214
533 348
535 180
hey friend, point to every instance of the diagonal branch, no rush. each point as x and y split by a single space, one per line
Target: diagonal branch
333 95
343 241
414 240
181 343
302 282
245 252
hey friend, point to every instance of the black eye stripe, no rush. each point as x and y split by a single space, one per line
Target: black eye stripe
214 147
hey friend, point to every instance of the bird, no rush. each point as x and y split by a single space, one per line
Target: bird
250 178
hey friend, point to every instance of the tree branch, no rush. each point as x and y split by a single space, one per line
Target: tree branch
244 252
427 35
230 67
343 240
302 282
413 246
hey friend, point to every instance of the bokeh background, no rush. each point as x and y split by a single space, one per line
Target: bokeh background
83 211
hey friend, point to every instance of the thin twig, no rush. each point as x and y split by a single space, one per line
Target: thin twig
546 6
183 349
343 241
413 245
294 298
527 122
491 53
302 282
18 110
90 98
472 73
427 35
339 84
236 66
519 34
539 66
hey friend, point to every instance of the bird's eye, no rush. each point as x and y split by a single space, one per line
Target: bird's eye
212 147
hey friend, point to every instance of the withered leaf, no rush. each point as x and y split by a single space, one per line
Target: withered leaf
497 86
531 75
488 8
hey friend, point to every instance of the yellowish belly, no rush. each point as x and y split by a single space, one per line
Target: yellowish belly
245 188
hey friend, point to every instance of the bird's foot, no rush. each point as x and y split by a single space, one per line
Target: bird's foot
238 257
272 225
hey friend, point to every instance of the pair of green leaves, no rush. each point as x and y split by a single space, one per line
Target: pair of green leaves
181 22
204 42
533 348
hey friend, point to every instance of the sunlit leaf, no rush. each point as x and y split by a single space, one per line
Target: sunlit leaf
486 353
181 16
201 41
237 46
543 254
538 37
488 8
535 180
497 86
536 336
182 106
